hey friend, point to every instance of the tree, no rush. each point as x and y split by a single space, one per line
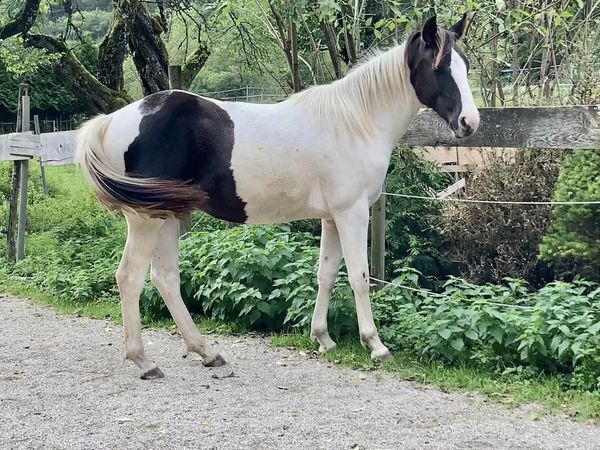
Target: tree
133 29
572 245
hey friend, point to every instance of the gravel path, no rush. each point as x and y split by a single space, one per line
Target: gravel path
64 384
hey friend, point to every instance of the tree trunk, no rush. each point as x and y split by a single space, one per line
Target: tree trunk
23 22
94 96
113 48
194 63
295 67
515 62
332 47
148 50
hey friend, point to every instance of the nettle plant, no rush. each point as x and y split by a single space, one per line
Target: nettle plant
505 327
256 276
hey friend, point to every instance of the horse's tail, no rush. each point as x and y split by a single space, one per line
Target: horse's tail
156 197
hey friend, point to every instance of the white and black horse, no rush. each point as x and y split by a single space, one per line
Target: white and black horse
322 153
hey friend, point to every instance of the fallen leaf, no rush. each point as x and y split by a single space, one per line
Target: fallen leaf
217 377
125 419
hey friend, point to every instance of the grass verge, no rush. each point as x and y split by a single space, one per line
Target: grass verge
509 390
111 310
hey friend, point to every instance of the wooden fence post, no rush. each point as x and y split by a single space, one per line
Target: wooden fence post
24 181
11 246
37 130
185 222
378 241
13 214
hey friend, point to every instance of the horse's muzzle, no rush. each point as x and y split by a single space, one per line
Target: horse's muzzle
464 129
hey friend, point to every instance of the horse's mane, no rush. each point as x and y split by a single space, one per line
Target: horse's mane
349 104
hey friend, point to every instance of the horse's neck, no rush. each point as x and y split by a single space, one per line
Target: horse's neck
393 120
385 82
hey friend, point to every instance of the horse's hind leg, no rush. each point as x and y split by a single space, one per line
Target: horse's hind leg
165 276
329 266
142 233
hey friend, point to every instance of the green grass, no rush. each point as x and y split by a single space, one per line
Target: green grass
111 310
509 390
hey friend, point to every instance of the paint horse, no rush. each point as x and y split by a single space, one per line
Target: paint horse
323 153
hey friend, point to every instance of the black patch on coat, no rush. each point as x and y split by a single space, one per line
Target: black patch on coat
435 87
185 137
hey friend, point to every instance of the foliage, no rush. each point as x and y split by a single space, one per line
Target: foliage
413 226
47 90
504 327
259 277
493 241
572 245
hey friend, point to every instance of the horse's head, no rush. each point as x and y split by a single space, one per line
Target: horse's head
438 73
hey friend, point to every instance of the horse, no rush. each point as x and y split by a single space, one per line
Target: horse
323 153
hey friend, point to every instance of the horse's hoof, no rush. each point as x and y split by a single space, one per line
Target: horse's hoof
326 344
324 348
382 354
152 374
215 361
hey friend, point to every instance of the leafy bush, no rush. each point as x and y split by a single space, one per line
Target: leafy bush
260 277
572 245
504 327
413 226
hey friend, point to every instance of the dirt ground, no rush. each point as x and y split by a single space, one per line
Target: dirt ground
64 385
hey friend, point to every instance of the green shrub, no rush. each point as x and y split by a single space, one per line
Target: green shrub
260 277
572 245
413 236
504 327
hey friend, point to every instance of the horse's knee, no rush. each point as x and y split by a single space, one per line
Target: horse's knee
326 279
359 283
123 276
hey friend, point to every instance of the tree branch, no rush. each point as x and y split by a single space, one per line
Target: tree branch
23 22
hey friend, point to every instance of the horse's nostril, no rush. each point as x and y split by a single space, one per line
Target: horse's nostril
466 127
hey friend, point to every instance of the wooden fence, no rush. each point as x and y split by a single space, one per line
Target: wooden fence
567 127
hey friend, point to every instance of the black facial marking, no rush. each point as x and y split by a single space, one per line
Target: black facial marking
185 137
431 76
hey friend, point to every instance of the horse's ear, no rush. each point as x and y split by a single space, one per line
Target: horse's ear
460 27
429 32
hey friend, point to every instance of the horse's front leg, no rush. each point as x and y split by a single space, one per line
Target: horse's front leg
329 265
352 225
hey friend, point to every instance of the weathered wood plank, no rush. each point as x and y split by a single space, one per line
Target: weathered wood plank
452 189
570 127
5 150
540 127
454 168
58 149
24 144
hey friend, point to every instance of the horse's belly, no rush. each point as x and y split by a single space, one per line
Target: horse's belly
276 200
279 187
